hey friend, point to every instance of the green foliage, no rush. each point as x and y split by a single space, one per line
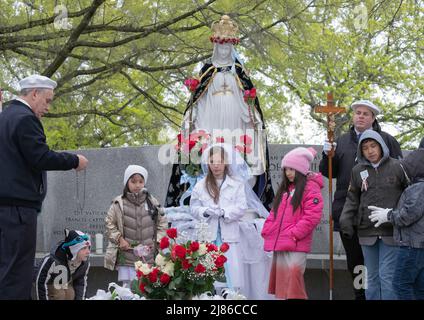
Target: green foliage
121 70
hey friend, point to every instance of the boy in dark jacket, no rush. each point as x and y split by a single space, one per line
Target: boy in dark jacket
62 275
408 223
379 180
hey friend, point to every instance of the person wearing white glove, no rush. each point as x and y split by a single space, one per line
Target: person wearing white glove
327 146
213 212
379 215
219 199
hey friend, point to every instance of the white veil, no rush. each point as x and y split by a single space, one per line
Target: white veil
238 170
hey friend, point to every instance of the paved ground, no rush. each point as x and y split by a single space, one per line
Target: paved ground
316 280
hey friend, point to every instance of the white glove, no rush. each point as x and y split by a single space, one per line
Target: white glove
327 146
379 215
214 212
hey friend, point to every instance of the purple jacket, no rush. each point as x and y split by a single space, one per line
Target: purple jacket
292 231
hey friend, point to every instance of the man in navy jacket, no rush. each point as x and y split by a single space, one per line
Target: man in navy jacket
24 159
364 117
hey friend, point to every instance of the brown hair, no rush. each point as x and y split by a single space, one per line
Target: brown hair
211 185
299 184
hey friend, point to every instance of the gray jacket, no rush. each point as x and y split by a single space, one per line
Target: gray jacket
385 184
408 217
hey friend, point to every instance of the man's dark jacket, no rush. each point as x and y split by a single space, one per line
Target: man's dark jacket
343 162
25 157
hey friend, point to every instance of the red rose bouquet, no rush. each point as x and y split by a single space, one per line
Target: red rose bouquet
181 270
190 151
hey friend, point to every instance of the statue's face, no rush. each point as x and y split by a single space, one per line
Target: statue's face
223 50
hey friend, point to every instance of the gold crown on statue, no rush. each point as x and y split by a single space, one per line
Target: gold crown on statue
224 31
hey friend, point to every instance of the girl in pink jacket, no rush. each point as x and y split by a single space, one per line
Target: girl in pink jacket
288 230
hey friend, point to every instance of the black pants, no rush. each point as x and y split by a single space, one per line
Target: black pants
18 234
354 257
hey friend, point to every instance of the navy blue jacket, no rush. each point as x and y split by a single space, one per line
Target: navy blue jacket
25 157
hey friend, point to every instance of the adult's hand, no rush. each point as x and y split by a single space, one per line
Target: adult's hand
82 163
327 146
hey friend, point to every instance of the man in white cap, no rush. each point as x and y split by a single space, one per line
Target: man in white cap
364 117
24 159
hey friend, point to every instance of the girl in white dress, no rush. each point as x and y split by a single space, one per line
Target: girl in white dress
220 200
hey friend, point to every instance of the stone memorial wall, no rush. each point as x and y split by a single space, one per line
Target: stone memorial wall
81 200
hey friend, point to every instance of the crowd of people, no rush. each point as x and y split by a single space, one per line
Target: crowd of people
378 208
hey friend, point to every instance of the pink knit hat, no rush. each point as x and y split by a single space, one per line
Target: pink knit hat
299 159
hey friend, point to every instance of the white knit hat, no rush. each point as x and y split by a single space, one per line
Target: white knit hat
133 169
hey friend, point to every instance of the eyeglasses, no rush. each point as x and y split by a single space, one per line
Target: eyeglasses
76 240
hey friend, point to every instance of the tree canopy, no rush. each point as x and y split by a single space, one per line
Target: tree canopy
120 65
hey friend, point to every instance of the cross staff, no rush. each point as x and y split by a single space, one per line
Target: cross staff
330 109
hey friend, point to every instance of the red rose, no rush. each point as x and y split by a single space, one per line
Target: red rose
199 268
153 276
172 233
246 93
253 93
194 246
211 247
141 287
164 278
180 138
179 251
164 243
139 274
185 264
219 262
224 247
192 84
191 144
246 139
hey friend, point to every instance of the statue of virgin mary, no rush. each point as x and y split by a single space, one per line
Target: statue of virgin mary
224 104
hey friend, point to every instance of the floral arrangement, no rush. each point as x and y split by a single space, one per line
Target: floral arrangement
190 151
250 96
244 147
181 270
216 39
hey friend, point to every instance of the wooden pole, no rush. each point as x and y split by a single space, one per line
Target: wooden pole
330 109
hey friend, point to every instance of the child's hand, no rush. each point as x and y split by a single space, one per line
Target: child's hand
124 244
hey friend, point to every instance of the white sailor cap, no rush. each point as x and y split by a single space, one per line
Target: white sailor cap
366 103
37 81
